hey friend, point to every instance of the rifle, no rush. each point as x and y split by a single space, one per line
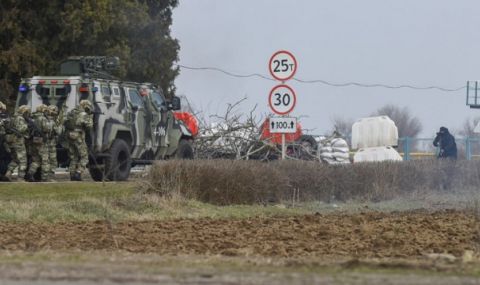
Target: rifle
5 123
35 131
61 115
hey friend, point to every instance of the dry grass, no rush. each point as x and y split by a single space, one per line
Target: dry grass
224 182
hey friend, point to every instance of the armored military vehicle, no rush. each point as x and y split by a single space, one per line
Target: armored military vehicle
134 122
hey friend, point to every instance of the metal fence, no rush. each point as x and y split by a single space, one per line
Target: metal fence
418 148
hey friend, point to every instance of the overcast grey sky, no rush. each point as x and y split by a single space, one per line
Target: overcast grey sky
415 42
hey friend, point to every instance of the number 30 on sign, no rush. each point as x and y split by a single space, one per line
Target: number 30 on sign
282 99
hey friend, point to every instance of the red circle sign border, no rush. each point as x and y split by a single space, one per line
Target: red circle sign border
270 64
294 99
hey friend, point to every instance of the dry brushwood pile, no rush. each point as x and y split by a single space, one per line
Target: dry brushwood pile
225 182
237 135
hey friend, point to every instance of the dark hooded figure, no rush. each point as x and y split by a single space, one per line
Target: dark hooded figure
446 142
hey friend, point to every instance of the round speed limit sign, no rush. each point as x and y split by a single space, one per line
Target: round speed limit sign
282 99
282 65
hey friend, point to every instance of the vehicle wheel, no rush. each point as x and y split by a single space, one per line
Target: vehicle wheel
96 173
3 166
37 176
185 150
119 163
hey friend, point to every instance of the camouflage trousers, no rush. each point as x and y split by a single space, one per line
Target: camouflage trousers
40 159
52 155
78 155
18 153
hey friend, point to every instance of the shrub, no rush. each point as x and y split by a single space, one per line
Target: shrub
225 182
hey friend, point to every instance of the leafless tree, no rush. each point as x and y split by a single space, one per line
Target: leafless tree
233 135
343 126
467 130
468 126
407 124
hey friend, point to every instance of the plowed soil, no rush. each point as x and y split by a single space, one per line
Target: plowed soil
361 235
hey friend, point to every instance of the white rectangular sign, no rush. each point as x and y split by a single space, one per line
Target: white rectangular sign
283 125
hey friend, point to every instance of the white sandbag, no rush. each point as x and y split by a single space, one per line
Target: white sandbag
340 155
326 149
329 160
325 155
340 149
339 142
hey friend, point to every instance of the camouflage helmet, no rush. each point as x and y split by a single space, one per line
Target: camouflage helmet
52 110
3 107
23 109
41 108
85 104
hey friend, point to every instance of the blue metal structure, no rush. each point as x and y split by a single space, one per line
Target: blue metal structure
465 145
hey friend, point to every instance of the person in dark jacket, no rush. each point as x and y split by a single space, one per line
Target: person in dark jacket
446 142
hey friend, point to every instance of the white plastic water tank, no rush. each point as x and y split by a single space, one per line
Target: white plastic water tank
374 132
372 154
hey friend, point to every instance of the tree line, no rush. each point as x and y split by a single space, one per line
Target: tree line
35 36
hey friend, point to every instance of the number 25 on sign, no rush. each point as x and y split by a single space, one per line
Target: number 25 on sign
282 99
282 65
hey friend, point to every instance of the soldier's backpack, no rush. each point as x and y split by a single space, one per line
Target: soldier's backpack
11 132
71 125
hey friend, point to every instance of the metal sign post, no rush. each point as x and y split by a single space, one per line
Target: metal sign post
282 98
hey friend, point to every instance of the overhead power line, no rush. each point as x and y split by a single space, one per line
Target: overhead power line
227 72
325 82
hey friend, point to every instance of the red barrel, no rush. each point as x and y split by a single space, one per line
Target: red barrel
189 120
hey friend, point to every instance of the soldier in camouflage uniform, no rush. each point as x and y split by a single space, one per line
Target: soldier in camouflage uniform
53 137
78 122
4 123
15 137
4 120
41 127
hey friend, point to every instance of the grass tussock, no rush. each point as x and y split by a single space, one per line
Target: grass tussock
223 182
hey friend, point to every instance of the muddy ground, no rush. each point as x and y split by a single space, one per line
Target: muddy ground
370 234
315 242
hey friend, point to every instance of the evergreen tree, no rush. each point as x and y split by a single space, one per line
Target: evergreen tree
36 35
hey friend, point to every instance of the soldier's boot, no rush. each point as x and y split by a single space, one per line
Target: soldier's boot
47 178
78 176
8 175
21 176
29 177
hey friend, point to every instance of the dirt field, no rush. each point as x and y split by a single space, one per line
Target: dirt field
415 247
411 234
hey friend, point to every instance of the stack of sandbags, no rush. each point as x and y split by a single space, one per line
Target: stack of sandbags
334 151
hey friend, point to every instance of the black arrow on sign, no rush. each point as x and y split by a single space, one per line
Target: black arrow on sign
272 124
292 124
